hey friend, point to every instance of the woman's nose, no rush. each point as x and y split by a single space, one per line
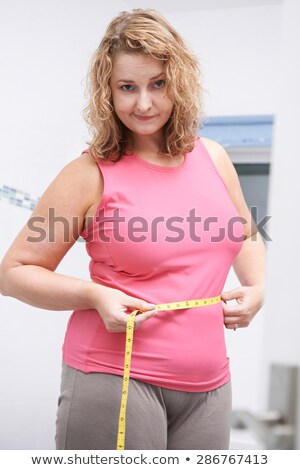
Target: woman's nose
144 102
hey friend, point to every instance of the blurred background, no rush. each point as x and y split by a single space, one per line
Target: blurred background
249 52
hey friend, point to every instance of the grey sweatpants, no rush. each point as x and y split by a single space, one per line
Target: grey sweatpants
157 418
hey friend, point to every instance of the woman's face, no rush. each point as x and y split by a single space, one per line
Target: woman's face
139 90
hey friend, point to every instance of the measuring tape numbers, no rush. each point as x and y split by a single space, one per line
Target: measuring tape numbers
128 353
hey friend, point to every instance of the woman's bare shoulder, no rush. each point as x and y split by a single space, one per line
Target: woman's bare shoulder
82 168
81 176
83 179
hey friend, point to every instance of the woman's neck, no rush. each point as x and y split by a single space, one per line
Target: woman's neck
146 144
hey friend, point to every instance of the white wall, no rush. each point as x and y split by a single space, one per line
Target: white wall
45 48
237 50
282 320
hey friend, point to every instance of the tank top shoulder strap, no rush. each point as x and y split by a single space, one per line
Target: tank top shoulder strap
90 154
211 163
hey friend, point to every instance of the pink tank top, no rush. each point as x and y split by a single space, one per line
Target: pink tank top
161 234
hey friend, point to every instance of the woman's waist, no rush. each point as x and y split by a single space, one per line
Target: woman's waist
192 329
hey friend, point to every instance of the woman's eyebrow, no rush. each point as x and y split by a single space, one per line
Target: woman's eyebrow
132 81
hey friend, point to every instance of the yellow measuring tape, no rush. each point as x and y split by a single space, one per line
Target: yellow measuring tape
128 352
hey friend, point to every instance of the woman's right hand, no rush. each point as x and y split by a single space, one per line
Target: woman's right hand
112 305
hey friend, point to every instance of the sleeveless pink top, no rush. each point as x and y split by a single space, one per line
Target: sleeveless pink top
161 234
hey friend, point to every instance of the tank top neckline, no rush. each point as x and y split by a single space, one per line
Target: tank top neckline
153 166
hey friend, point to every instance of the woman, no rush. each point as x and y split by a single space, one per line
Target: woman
164 219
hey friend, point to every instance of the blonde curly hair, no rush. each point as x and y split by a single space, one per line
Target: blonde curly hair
147 32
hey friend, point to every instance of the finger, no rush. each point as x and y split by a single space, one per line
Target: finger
235 322
232 294
232 309
232 322
138 304
140 318
232 318
233 326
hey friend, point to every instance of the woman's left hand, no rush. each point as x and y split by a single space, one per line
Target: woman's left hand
249 301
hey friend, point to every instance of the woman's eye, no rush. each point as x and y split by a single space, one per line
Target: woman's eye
158 84
162 82
124 89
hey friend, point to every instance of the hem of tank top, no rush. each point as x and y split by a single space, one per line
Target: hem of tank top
213 166
191 388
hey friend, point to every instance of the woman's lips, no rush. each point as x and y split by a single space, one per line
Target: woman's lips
144 118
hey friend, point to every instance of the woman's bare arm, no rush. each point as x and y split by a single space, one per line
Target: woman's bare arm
27 269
